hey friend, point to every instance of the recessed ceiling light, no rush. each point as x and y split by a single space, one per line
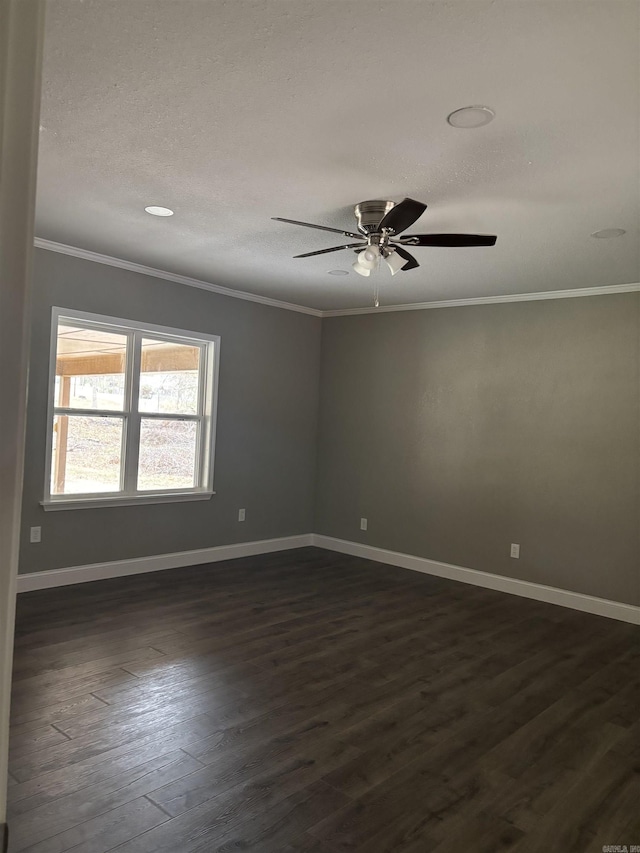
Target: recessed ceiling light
471 117
609 232
338 272
154 210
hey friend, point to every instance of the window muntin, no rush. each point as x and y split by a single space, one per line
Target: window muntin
132 411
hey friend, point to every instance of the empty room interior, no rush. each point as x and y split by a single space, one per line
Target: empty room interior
326 522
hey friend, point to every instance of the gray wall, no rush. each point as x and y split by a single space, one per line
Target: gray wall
455 431
458 431
267 420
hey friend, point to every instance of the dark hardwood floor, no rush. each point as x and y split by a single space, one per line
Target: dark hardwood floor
308 702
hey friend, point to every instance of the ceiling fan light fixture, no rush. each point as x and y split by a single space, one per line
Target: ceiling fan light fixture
394 262
359 268
369 258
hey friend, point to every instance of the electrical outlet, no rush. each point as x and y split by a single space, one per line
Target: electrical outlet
35 534
515 551
241 515
363 524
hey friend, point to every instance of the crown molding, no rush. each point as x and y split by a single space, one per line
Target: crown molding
489 300
120 263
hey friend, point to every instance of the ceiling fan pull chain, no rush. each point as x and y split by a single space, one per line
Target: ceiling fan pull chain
376 293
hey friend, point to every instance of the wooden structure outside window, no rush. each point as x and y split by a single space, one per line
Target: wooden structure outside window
132 410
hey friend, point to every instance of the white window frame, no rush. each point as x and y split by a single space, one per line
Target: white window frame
128 494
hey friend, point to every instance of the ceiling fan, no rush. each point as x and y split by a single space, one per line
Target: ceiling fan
380 224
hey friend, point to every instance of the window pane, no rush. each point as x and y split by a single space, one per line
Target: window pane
167 454
90 368
169 378
86 455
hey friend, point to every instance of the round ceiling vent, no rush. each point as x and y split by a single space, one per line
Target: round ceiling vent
606 233
469 117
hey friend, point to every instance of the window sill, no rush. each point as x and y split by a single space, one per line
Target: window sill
95 503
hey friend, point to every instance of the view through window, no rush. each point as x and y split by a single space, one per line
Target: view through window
132 410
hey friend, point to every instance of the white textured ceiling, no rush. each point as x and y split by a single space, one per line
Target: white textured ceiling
233 112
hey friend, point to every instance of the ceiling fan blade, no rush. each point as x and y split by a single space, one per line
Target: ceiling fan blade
411 261
403 215
319 227
333 249
449 240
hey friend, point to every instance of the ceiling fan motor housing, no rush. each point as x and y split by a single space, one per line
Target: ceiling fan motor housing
370 213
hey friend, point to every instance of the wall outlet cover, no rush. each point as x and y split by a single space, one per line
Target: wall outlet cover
363 524
515 551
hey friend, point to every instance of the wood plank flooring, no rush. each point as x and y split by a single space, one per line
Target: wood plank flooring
309 702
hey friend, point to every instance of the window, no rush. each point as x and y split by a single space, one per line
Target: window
131 412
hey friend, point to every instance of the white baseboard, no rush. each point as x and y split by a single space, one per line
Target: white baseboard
526 589
138 565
